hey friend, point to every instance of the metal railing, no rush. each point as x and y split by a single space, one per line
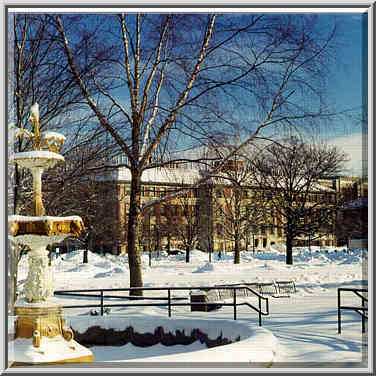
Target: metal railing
362 310
171 301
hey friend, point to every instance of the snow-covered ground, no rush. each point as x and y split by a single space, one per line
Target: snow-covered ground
305 324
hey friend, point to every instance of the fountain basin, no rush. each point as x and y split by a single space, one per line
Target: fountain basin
37 159
250 344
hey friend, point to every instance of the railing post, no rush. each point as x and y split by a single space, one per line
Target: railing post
339 309
260 324
234 299
101 302
169 302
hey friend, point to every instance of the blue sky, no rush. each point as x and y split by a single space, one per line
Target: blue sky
347 83
347 87
348 75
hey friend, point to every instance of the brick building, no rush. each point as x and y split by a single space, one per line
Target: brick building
160 223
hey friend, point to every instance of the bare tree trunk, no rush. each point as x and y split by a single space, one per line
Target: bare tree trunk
237 251
134 256
168 241
85 259
187 253
289 240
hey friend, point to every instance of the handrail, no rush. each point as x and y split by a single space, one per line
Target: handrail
170 300
360 310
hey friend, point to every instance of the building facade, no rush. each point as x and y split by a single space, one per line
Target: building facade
208 212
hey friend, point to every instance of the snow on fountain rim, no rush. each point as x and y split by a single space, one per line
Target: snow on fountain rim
256 345
53 135
35 154
29 218
51 350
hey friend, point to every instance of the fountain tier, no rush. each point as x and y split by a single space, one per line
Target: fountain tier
43 230
37 161
37 158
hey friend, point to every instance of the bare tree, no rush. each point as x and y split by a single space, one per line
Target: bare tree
240 210
289 173
231 208
73 188
258 216
179 76
37 74
232 215
187 226
168 223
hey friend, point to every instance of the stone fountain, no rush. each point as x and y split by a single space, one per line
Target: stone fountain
41 336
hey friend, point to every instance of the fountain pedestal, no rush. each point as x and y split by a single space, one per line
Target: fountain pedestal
42 338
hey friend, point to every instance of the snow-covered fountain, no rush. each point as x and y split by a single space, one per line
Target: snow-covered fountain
41 336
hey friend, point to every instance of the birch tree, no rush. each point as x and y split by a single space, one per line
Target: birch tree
179 76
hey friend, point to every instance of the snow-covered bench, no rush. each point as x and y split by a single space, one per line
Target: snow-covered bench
285 288
211 299
215 298
275 289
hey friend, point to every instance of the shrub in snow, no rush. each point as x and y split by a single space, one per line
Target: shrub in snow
110 337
